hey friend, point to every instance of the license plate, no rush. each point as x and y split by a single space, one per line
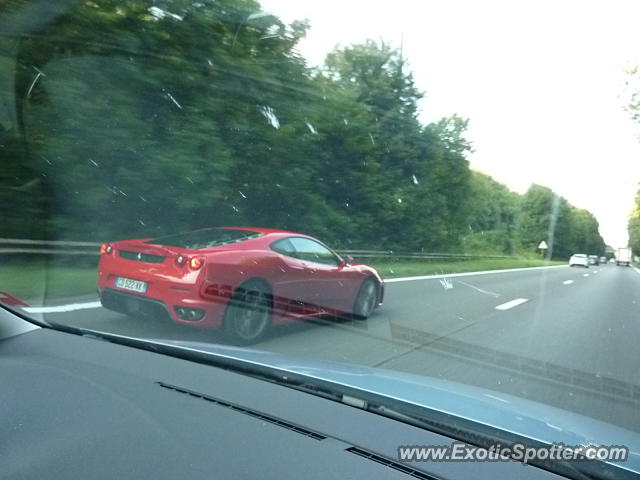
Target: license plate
130 284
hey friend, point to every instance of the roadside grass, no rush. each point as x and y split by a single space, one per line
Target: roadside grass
34 281
38 280
408 268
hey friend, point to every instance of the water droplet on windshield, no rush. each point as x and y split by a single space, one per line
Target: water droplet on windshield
235 209
446 283
174 100
94 163
415 179
141 222
189 179
270 114
373 142
399 200
242 194
311 128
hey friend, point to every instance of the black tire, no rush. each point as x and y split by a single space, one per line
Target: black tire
366 300
247 317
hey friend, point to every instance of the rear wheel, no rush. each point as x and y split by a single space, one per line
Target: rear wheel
248 315
366 300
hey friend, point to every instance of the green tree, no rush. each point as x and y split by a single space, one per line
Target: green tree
634 226
544 215
415 199
493 210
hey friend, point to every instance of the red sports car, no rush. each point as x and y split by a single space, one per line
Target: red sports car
243 279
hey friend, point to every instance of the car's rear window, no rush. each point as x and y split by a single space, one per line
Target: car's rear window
206 238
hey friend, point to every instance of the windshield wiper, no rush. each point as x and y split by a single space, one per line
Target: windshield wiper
457 428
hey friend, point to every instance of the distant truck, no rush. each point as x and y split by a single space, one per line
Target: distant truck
623 256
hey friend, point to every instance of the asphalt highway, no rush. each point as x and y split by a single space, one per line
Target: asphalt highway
563 336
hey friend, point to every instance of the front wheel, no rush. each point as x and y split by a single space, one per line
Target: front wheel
248 315
366 300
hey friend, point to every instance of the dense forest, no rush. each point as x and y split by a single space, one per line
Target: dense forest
633 98
138 118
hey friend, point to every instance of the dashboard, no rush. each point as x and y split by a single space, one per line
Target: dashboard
81 407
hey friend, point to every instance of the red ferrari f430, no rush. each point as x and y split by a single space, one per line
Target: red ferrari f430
240 279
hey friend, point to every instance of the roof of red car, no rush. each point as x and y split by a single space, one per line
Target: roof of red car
266 231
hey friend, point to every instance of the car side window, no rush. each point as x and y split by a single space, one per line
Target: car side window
312 251
285 247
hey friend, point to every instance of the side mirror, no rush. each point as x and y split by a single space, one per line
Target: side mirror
347 260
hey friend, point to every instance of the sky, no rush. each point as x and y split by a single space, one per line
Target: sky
541 82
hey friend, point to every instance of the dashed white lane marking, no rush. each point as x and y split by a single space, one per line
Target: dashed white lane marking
567 282
511 304
63 308
585 275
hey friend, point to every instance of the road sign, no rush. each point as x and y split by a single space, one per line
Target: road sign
543 245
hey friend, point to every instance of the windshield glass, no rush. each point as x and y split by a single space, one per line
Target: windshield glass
383 185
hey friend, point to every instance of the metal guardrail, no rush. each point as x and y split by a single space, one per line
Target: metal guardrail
44 251
52 247
64 247
64 243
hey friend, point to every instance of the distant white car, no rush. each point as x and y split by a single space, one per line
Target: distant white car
579 259
603 260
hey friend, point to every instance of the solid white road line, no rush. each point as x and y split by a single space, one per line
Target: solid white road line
567 282
636 269
469 274
511 304
63 308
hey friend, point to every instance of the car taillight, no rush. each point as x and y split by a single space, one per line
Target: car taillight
105 249
196 262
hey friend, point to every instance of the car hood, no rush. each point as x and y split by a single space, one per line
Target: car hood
505 412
